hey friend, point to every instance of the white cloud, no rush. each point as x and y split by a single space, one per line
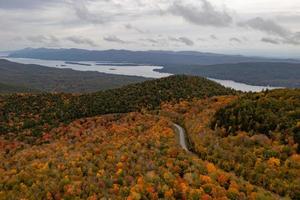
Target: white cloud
183 40
115 39
81 40
270 40
234 39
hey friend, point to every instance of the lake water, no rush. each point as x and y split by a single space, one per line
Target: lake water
130 69
242 86
3 54
104 67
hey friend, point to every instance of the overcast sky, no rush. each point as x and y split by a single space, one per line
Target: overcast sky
249 27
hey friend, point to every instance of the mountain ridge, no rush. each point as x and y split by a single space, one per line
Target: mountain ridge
146 57
55 108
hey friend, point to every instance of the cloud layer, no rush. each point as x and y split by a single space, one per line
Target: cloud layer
215 25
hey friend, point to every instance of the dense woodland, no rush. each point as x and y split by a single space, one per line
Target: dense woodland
9 89
262 159
131 156
273 113
50 149
22 114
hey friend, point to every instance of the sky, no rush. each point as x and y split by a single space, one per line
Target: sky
248 27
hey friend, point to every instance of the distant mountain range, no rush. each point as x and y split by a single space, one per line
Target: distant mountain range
145 57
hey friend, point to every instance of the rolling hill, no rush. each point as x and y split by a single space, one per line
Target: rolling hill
39 112
9 89
47 79
276 74
272 113
254 136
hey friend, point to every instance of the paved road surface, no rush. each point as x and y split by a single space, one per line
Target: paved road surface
181 134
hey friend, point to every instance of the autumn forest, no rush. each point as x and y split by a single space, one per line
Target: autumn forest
122 144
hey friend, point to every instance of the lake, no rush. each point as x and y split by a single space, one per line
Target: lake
242 86
130 69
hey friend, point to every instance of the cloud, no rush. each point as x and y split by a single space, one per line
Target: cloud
115 39
267 26
183 40
293 39
201 39
289 17
81 40
28 4
84 14
153 41
37 39
186 41
234 39
213 37
131 27
203 14
297 35
156 42
86 23
270 40
272 28
54 41
42 39
107 11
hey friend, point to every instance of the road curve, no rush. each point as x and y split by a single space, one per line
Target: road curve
181 134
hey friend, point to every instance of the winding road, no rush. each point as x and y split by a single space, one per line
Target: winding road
182 137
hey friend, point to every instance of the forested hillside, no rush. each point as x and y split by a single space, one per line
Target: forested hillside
9 89
47 79
244 146
267 160
275 114
130 156
276 74
28 115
